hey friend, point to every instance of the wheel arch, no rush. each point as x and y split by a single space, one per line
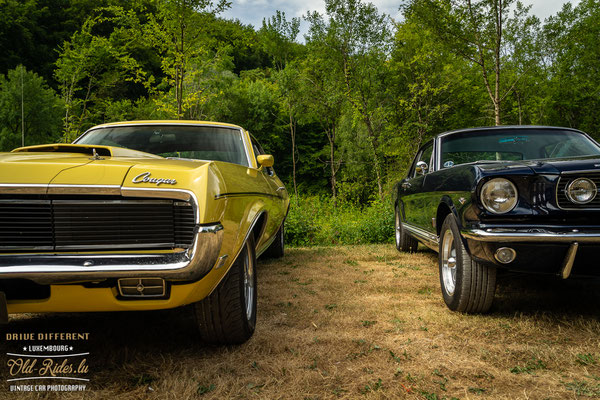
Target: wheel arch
445 208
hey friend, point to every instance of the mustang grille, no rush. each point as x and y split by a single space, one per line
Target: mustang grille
562 199
95 224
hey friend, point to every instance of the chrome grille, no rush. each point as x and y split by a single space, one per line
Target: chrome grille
564 202
67 224
26 225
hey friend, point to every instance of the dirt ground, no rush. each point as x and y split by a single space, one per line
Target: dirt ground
349 322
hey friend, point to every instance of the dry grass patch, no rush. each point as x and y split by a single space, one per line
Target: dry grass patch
354 322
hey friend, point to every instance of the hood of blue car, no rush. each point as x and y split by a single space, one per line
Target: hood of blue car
549 166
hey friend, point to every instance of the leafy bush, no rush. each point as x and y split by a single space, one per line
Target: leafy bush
315 221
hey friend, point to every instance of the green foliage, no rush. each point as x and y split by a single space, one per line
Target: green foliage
175 31
94 69
42 110
343 113
573 46
315 221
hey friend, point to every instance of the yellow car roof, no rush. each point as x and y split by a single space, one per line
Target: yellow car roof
163 122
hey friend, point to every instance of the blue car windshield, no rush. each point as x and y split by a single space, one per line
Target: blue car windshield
176 141
514 145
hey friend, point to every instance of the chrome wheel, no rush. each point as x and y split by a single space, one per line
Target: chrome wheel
248 284
448 262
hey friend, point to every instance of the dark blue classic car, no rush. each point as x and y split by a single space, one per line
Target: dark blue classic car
521 198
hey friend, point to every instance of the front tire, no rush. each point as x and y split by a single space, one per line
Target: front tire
277 248
467 286
228 315
404 242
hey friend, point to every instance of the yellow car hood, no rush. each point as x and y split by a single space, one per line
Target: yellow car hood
64 164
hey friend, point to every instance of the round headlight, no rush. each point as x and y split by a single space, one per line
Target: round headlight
581 191
499 195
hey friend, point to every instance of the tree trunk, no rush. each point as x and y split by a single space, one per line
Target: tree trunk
498 10
293 137
519 106
497 112
331 137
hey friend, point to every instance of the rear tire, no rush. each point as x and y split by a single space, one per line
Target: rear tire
277 248
404 242
467 286
228 315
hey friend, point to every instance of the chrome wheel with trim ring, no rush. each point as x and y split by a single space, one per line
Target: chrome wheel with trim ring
404 242
448 257
467 285
249 282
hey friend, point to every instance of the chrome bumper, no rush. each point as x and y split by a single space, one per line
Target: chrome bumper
529 236
188 265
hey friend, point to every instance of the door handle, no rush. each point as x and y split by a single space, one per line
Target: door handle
406 185
280 188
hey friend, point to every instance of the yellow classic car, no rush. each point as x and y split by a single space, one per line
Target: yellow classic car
142 215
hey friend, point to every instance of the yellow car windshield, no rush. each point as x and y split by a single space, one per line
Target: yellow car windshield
176 141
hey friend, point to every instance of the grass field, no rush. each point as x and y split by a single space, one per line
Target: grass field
352 322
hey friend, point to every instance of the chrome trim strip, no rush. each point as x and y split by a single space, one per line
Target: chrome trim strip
541 236
131 246
248 146
582 171
88 189
242 194
22 202
430 240
569 260
84 202
32 188
26 248
45 188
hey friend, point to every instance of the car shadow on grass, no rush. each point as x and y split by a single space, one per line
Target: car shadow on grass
122 346
535 294
530 294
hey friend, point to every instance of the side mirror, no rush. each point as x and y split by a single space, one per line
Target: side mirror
265 160
422 167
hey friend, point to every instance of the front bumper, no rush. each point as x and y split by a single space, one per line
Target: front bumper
531 235
539 250
185 265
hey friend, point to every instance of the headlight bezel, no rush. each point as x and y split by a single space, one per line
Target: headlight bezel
512 200
571 197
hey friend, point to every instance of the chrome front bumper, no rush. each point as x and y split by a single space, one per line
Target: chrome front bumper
186 265
531 235
573 238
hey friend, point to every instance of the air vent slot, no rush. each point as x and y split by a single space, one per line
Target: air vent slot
539 193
